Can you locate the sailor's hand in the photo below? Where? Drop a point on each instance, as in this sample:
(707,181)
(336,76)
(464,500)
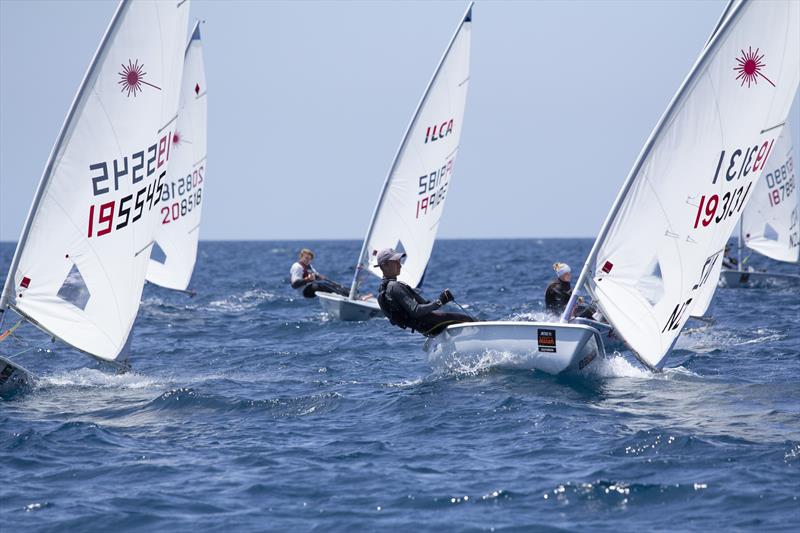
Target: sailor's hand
(446,296)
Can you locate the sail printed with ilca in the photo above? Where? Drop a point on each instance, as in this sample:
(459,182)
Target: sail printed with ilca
(770,224)
(175,251)
(80,264)
(659,252)
(412,200)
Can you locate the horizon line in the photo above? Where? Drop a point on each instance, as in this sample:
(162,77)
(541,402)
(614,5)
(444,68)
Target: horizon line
(342,239)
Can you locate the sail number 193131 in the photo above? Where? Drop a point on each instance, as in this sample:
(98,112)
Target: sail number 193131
(739,163)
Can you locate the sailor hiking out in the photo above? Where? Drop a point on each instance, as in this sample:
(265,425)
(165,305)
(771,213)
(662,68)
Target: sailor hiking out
(405,308)
(306,279)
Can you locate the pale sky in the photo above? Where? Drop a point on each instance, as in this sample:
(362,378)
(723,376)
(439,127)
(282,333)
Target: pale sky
(308,102)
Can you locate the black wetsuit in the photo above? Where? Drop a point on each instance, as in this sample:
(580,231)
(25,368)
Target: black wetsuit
(557,296)
(406,309)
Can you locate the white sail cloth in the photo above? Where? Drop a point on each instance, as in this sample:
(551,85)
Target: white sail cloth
(661,254)
(174,254)
(410,207)
(83,254)
(770,224)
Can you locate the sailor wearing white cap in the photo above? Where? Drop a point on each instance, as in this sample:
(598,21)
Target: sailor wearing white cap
(558,292)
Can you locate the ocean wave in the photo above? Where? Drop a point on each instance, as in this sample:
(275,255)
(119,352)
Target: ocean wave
(189,399)
(245,301)
(93,378)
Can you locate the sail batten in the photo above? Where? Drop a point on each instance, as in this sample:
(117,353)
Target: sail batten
(76,273)
(409,207)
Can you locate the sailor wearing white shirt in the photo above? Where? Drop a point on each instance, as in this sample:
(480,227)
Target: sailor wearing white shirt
(306,279)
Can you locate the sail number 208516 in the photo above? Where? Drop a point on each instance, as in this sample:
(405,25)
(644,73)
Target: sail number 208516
(187,193)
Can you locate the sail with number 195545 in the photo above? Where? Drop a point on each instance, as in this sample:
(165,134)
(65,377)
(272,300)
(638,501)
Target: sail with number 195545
(81,260)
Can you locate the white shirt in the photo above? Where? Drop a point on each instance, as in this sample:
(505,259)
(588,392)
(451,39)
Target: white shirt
(296,271)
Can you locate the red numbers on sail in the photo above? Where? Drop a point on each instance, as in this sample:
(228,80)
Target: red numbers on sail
(713,208)
(187,193)
(781,182)
(433,188)
(109,176)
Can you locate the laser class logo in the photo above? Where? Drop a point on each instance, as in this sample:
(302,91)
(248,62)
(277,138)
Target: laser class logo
(132,78)
(749,67)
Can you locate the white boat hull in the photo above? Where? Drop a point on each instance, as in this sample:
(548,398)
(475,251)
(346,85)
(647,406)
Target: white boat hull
(13,378)
(550,347)
(736,279)
(343,308)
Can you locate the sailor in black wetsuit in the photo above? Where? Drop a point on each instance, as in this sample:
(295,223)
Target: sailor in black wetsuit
(558,293)
(405,308)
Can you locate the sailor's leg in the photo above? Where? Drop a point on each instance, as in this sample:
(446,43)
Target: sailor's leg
(434,323)
(326,285)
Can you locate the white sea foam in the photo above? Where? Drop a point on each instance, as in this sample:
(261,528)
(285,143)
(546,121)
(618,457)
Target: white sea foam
(533,316)
(707,339)
(90,377)
(473,364)
(243,302)
(617,366)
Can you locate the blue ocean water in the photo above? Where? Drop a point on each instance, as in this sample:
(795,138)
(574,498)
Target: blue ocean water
(248,410)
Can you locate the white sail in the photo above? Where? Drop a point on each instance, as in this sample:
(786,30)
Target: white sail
(770,223)
(412,201)
(659,252)
(173,256)
(81,260)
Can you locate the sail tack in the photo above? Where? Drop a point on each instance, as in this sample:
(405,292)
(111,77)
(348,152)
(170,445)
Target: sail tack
(412,201)
(173,257)
(770,224)
(80,264)
(660,251)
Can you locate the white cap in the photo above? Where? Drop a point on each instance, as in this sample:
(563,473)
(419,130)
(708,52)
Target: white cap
(561,269)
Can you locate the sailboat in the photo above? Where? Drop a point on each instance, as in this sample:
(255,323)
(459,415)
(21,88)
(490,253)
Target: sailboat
(79,267)
(769,224)
(174,253)
(412,199)
(658,254)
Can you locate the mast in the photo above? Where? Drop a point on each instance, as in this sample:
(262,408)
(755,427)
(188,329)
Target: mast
(587,266)
(739,247)
(721,19)
(48,169)
(354,286)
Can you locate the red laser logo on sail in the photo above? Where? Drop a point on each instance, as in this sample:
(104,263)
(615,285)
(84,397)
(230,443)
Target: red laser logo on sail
(133,77)
(749,68)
